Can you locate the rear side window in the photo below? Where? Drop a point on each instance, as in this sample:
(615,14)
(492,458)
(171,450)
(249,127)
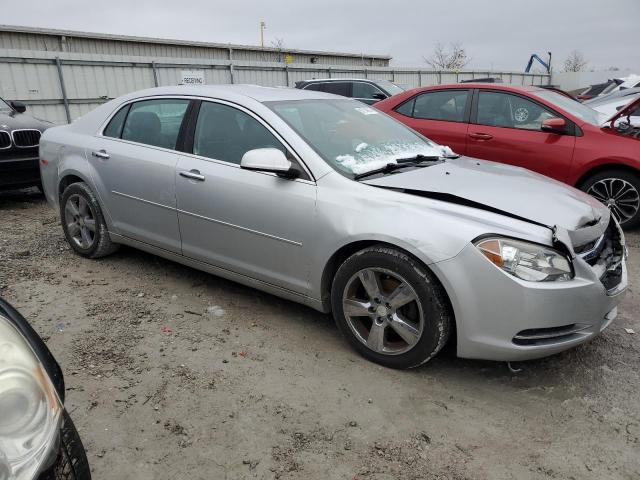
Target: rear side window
(338,88)
(114,129)
(446,105)
(155,122)
(226,133)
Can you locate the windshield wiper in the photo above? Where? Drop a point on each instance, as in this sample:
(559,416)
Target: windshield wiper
(414,161)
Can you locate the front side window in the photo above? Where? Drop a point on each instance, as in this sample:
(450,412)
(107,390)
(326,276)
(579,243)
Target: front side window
(155,122)
(446,105)
(351,137)
(337,88)
(226,133)
(364,90)
(390,87)
(499,109)
(579,110)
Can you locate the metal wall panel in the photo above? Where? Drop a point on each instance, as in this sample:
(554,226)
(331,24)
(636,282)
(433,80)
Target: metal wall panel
(32,76)
(173,75)
(25,38)
(29,81)
(267,78)
(300,75)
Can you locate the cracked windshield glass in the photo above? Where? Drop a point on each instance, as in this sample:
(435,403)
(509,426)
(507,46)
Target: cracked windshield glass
(354,138)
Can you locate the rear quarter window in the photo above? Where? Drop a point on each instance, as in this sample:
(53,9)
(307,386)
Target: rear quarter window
(406,108)
(114,128)
(316,87)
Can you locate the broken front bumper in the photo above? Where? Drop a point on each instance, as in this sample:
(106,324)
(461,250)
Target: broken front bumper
(500,317)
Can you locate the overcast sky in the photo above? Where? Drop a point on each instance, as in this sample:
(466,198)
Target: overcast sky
(496,33)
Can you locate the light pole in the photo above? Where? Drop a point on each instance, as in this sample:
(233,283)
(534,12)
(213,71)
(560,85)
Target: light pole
(263,26)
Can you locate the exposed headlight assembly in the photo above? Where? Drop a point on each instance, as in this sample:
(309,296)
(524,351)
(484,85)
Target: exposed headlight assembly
(525,260)
(30,409)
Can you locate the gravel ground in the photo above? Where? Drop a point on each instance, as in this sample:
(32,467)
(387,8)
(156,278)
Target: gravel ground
(173,373)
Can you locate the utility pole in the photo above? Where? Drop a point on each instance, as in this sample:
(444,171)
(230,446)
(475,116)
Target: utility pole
(263,26)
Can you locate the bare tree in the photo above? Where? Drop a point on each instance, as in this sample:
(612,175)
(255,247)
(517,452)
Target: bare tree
(278,44)
(575,62)
(454,58)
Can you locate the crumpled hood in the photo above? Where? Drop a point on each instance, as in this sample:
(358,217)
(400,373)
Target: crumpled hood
(513,190)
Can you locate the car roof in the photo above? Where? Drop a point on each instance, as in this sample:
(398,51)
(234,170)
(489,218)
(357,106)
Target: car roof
(230,92)
(370,80)
(485,86)
(613,96)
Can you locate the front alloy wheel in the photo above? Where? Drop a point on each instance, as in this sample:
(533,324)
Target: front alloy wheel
(383,311)
(390,307)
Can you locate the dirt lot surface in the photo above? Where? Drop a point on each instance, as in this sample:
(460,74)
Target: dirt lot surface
(173,373)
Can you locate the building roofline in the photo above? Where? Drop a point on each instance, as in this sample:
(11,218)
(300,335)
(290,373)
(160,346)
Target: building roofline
(164,41)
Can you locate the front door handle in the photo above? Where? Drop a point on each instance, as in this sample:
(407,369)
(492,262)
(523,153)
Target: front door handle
(192,175)
(481,136)
(101,154)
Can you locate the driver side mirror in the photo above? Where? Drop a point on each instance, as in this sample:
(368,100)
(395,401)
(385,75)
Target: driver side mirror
(18,106)
(554,125)
(269,160)
(378,96)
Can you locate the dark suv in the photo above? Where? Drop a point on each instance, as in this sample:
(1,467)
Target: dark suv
(19,139)
(367,91)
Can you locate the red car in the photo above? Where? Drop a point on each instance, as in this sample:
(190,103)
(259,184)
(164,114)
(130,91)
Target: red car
(535,128)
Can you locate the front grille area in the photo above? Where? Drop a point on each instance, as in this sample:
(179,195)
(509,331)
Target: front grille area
(606,256)
(547,336)
(26,138)
(5,139)
(9,154)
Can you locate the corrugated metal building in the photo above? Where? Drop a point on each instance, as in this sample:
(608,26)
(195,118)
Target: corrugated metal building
(50,40)
(61,75)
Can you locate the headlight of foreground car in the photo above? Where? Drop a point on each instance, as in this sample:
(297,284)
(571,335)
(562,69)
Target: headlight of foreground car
(527,261)
(30,408)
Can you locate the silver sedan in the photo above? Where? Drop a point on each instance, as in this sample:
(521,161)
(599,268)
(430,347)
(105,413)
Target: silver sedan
(333,204)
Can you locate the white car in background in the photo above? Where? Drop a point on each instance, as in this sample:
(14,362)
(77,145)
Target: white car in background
(631,81)
(608,105)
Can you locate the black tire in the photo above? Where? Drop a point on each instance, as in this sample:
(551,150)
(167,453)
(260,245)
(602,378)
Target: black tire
(437,315)
(101,244)
(590,186)
(71,463)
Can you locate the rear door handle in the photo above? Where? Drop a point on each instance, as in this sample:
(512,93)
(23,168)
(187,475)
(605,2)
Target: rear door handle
(101,154)
(481,136)
(192,175)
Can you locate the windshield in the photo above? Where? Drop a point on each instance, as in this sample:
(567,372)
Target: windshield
(4,107)
(352,137)
(577,109)
(390,87)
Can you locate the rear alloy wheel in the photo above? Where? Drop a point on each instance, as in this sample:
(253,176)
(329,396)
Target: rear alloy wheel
(620,191)
(390,307)
(83,223)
